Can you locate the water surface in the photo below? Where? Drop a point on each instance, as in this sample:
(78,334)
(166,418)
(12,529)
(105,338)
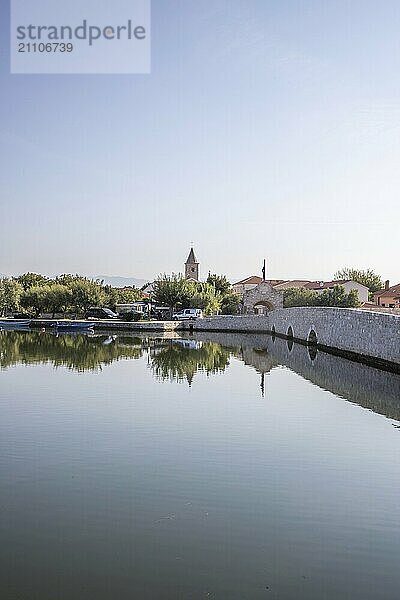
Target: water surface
(219,466)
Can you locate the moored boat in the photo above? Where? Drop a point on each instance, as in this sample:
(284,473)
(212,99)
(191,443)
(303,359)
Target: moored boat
(61,326)
(14,323)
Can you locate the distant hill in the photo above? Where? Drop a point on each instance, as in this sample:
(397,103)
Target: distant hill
(120,282)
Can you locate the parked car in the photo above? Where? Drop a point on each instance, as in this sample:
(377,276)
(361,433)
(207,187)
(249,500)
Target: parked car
(95,312)
(188,314)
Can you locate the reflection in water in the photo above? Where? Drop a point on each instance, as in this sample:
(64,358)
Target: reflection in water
(312,352)
(176,359)
(114,486)
(78,352)
(181,359)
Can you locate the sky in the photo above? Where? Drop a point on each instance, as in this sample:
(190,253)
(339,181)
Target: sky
(266,129)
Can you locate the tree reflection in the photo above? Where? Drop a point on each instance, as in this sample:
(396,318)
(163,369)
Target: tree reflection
(75,352)
(169,359)
(180,360)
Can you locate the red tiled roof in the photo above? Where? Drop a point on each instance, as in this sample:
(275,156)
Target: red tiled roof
(253,279)
(392,291)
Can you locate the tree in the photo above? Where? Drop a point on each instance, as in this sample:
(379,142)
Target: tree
(28,280)
(58,298)
(299,297)
(230,304)
(10,294)
(220,283)
(366,277)
(338,297)
(86,293)
(35,300)
(116,296)
(205,296)
(173,291)
(230,301)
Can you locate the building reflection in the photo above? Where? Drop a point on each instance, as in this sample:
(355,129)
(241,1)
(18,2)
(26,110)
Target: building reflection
(361,384)
(179,359)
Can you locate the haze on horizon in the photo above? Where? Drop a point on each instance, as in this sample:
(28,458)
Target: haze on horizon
(266,129)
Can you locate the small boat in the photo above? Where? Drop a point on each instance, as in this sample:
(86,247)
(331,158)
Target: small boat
(14,323)
(73,326)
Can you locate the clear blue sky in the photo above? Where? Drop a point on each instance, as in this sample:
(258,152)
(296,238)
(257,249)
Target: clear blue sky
(266,129)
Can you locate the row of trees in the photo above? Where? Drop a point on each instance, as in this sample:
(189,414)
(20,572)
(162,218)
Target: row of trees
(35,294)
(336,296)
(214,296)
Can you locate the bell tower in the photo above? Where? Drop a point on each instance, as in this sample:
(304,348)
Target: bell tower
(192,266)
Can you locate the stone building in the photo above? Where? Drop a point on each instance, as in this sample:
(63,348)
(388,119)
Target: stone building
(261,299)
(244,285)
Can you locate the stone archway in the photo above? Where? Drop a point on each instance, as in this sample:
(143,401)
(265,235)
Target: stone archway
(263,297)
(262,308)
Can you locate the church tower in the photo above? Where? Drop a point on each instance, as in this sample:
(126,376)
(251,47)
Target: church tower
(192,266)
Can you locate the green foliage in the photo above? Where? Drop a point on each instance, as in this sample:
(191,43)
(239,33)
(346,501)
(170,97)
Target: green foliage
(86,293)
(10,294)
(230,301)
(338,297)
(173,290)
(34,300)
(329,297)
(77,353)
(116,296)
(177,292)
(69,292)
(205,296)
(28,280)
(231,304)
(220,283)
(299,297)
(366,277)
(176,362)
(38,294)
(58,298)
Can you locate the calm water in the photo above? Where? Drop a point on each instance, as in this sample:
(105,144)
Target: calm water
(226,467)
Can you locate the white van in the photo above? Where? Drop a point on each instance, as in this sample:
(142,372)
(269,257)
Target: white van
(188,314)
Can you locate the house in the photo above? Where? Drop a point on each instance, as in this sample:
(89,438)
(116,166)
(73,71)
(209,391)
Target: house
(389,297)
(347,284)
(148,288)
(245,285)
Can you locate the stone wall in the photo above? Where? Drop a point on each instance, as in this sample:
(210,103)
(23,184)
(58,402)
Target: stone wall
(263,294)
(352,331)
(355,331)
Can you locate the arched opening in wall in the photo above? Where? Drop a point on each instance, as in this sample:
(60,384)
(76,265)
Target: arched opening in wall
(289,332)
(312,352)
(312,339)
(273,333)
(262,308)
(290,344)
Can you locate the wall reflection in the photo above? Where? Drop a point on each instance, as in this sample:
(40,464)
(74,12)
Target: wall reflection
(178,359)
